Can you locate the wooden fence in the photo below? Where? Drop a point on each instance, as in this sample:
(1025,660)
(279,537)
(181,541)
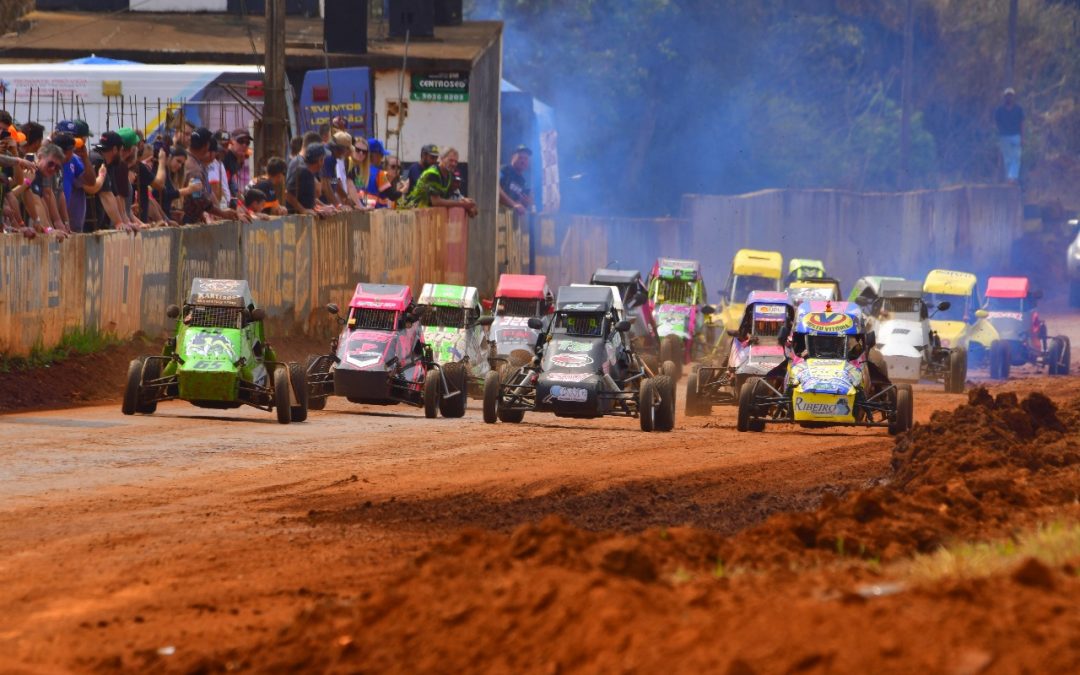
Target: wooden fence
(119,283)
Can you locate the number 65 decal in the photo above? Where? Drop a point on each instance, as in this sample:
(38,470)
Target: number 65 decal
(209,365)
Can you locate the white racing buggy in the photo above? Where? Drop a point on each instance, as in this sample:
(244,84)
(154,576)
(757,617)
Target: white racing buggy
(751,350)
(910,349)
(585,368)
(518,298)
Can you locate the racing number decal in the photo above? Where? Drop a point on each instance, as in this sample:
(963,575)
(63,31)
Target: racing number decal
(835,322)
(209,365)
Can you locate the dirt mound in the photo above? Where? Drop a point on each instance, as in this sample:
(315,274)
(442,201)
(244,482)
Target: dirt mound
(551,597)
(971,473)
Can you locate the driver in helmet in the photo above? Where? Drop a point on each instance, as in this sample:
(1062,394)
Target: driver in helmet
(583,325)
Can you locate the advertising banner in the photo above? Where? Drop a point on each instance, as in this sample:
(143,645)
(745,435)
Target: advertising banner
(440,88)
(344,92)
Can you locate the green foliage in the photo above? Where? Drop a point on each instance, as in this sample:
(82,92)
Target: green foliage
(73,343)
(1054,544)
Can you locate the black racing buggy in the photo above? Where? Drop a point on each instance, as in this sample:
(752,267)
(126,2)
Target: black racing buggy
(584,368)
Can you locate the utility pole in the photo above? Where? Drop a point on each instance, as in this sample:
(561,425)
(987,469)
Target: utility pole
(905,96)
(1010,53)
(274,137)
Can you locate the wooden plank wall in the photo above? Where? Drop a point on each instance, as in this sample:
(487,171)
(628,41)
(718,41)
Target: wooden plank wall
(905,234)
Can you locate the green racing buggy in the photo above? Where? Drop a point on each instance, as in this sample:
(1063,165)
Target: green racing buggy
(219,358)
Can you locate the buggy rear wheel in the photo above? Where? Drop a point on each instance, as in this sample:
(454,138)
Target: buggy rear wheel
(671,349)
(456,378)
(432,383)
(647,396)
(316,362)
(132,386)
(748,407)
(282,395)
(1057,357)
(298,380)
(664,419)
(669,368)
(956,380)
(905,410)
(492,388)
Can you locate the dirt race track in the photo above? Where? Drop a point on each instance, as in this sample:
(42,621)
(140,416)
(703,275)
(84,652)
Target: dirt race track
(373,540)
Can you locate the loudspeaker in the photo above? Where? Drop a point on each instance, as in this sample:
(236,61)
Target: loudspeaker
(448,12)
(345,26)
(415,16)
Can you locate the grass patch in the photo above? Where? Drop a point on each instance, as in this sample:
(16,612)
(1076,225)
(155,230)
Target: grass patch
(72,343)
(1053,544)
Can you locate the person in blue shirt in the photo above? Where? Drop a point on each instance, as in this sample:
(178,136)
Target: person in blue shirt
(376,152)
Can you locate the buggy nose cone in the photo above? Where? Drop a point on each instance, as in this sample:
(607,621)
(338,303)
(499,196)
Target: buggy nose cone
(903,368)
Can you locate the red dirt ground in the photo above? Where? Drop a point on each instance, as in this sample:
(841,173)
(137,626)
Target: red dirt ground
(779,597)
(372,540)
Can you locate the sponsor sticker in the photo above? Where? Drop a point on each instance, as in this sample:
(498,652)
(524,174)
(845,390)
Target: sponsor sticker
(570,394)
(573,346)
(572,360)
(770,309)
(829,322)
(583,307)
(1016,316)
(567,377)
(838,409)
(210,345)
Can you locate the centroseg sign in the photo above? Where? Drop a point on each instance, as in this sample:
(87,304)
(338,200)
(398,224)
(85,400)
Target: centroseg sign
(440,88)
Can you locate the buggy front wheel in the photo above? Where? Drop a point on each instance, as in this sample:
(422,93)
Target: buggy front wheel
(282,395)
(432,393)
(665,408)
(132,386)
(298,380)
(748,407)
(492,387)
(454,405)
(905,410)
(647,396)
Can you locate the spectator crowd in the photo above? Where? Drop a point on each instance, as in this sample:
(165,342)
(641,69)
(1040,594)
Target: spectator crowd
(67,181)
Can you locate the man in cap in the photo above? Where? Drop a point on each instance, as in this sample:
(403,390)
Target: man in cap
(219,180)
(108,147)
(122,170)
(78,172)
(302,186)
(1009,118)
(429,155)
(237,169)
(200,205)
(376,152)
(514,192)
